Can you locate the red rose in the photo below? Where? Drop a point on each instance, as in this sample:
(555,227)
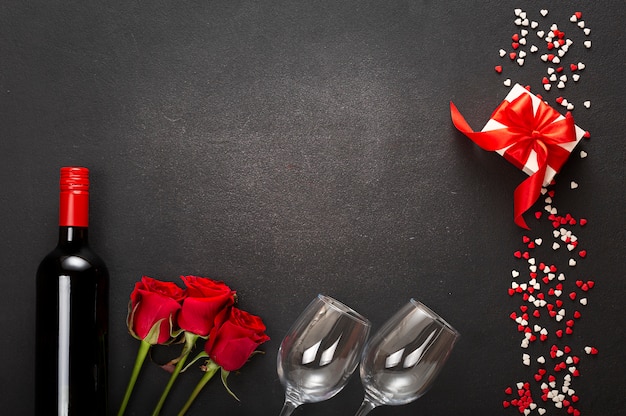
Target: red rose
(205,299)
(233,341)
(153,302)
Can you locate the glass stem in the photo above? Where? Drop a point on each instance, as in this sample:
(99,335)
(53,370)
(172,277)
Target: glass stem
(288,408)
(366,407)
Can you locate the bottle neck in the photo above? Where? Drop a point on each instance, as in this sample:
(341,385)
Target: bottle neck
(73,235)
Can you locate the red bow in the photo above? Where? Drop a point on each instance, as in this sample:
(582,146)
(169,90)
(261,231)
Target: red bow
(525,131)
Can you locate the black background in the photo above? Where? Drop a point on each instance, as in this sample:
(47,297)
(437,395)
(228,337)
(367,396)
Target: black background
(291,148)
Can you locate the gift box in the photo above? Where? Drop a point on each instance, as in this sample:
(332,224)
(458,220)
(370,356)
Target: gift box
(532,136)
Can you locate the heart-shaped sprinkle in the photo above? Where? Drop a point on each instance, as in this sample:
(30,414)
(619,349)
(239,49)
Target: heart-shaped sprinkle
(544,12)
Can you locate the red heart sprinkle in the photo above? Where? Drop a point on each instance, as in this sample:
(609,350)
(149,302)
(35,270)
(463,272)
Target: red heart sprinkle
(531,244)
(572,295)
(518,254)
(567,349)
(578,14)
(538,215)
(579,283)
(569,331)
(536,313)
(559,333)
(577,314)
(559,100)
(587,135)
(508,390)
(590,283)
(582,253)
(525,239)
(582,221)
(559,303)
(573,67)
(498,69)
(513,55)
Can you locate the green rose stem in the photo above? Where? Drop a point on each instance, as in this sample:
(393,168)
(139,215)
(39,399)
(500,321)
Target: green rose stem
(144,347)
(190,341)
(210,370)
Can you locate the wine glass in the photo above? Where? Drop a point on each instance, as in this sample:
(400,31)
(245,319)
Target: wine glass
(320,352)
(403,358)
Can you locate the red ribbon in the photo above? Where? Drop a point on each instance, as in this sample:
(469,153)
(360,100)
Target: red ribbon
(524,131)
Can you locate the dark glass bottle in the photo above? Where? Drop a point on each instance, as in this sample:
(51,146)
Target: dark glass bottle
(72,313)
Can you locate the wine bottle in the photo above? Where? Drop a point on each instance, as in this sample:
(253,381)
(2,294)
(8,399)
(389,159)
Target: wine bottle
(72,313)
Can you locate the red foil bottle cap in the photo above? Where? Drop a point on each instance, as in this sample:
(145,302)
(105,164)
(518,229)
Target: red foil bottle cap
(74,201)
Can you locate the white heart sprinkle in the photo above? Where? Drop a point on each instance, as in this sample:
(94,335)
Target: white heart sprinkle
(555,246)
(523,32)
(563,78)
(538,241)
(572,262)
(570,106)
(518,22)
(587,44)
(520,62)
(583,154)
(507,82)
(532,268)
(556,60)
(542,360)
(547,87)
(554,27)
(575,77)
(522,41)
(544,12)
(541,411)
(553,78)
(573,185)
(517,13)
(587,104)
(558,293)
(514,273)
(571,247)
(573,18)
(521,54)
(561,277)
(581,66)
(587,31)
(581,24)
(583,301)
(533,49)
(502,53)
(588,350)
(540,33)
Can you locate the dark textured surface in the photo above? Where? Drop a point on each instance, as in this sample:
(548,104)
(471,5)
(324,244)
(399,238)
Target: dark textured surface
(291,148)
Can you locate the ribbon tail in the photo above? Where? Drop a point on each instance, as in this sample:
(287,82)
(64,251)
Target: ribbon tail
(487,140)
(526,194)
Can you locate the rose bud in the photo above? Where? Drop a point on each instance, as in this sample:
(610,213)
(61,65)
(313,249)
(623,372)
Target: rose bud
(206,298)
